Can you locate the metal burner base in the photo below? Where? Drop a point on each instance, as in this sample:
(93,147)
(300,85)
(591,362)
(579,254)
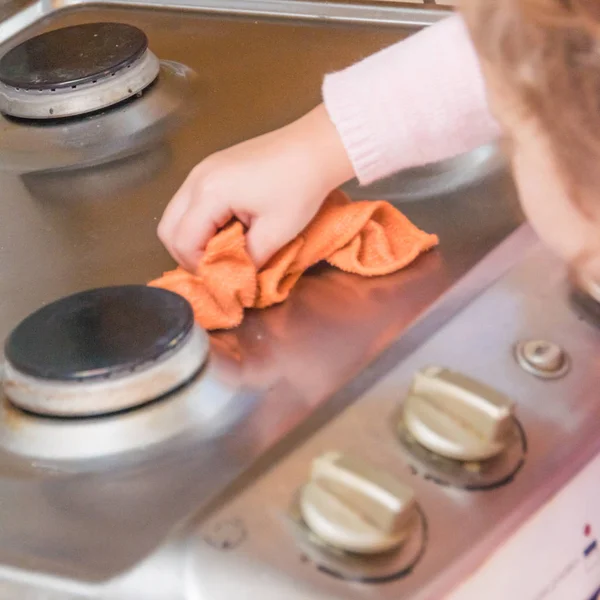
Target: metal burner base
(75,399)
(80,99)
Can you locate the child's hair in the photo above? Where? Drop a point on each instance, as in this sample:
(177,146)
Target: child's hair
(547,52)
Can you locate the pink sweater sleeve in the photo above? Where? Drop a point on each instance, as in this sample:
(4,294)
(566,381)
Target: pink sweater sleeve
(419,101)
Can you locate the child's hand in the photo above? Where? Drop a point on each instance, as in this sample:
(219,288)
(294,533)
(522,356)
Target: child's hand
(274,184)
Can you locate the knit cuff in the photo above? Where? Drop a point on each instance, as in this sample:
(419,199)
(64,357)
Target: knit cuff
(349,118)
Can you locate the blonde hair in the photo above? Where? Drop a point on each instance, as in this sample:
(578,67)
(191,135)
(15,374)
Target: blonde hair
(547,52)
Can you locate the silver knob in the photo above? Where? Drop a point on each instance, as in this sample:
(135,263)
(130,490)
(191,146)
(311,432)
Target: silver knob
(457,417)
(353,506)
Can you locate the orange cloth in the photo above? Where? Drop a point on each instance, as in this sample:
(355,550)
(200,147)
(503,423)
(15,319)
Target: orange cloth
(366,238)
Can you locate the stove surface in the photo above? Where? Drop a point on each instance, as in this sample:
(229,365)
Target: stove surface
(86,500)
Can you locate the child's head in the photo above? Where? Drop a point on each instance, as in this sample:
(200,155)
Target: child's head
(541,60)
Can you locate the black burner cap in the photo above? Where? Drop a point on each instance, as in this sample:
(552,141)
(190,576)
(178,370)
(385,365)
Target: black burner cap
(99,333)
(72,56)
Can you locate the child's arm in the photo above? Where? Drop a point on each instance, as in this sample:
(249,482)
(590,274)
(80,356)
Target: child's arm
(419,101)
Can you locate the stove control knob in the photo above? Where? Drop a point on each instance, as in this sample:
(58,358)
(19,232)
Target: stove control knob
(457,417)
(353,506)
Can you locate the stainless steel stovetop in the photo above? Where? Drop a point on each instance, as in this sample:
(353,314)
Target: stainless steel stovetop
(192,497)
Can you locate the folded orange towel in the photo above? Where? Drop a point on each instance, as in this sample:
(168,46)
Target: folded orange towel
(366,238)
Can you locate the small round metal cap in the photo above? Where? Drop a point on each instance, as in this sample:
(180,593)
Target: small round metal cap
(544,355)
(100,334)
(542,358)
(72,56)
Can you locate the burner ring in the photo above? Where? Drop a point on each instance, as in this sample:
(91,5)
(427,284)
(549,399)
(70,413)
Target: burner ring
(79,99)
(104,397)
(72,55)
(103,351)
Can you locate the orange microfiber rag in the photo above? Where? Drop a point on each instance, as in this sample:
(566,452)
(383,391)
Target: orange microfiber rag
(366,238)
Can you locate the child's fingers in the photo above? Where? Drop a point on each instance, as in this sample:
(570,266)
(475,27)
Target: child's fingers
(172,216)
(196,227)
(266,236)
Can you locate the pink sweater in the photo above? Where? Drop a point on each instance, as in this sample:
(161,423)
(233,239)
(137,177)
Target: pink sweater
(419,101)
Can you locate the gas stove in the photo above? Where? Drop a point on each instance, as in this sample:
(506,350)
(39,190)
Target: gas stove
(410,436)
